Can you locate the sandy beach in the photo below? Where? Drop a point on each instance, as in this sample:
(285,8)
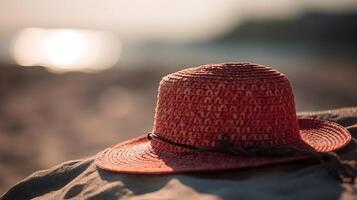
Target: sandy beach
(46,118)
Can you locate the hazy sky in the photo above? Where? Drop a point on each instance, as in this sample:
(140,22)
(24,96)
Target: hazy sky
(183,20)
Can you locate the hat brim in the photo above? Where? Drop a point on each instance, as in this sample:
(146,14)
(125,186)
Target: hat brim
(137,156)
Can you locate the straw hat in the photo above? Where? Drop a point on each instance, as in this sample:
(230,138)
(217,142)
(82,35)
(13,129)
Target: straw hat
(223,116)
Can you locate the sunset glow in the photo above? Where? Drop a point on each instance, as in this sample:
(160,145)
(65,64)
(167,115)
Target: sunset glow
(62,50)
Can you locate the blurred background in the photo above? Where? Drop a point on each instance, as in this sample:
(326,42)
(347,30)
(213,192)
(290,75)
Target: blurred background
(78,76)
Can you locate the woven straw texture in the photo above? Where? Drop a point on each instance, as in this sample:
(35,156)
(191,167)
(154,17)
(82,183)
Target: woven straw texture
(251,104)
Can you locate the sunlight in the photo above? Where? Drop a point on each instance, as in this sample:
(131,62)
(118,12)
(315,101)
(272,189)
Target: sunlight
(63,50)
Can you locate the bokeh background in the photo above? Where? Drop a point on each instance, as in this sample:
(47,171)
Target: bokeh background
(77,76)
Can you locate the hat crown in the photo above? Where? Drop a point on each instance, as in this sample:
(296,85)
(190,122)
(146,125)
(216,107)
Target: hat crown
(251,104)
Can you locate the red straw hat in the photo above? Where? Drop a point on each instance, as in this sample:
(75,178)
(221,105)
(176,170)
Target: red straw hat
(223,116)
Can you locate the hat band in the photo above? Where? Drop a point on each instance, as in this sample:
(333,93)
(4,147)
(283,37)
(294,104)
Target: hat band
(226,146)
(343,170)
